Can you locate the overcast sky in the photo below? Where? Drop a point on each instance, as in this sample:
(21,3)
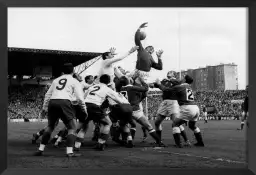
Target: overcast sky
(190,37)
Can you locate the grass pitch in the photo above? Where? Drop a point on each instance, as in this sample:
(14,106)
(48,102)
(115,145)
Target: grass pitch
(225,147)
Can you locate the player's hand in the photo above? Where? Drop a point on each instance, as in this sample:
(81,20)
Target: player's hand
(158,81)
(133,49)
(159,53)
(112,50)
(143,25)
(151,85)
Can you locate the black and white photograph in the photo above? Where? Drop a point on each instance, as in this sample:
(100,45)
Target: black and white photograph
(104,88)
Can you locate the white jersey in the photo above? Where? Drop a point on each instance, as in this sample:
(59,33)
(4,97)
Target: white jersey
(98,93)
(67,88)
(107,68)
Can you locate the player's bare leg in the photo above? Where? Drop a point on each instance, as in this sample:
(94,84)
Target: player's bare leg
(104,133)
(133,128)
(184,135)
(158,125)
(60,137)
(80,136)
(145,123)
(145,135)
(176,131)
(96,132)
(197,133)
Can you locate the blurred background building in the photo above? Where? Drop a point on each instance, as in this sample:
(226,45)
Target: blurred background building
(219,77)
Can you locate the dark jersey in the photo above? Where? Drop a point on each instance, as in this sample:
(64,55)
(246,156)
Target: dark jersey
(134,94)
(245,105)
(182,93)
(204,109)
(165,87)
(145,60)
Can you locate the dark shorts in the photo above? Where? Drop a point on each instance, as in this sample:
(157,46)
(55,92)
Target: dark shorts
(60,109)
(80,115)
(122,112)
(95,112)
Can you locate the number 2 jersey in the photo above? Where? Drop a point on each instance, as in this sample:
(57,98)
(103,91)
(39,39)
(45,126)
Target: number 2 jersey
(98,93)
(65,87)
(182,93)
(134,94)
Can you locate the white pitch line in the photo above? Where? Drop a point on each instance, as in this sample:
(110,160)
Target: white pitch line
(202,157)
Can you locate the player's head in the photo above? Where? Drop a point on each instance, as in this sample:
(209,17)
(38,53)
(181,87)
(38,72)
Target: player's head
(89,79)
(171,75)
(150,49)
(107,55)
(68,68)
(105,79)
(76,76)
(188,79)
(122,81)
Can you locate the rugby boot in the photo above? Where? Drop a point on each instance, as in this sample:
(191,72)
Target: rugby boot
(101,146)
(38,153)
(187,143)
(144,139)
(73,155)
(129,144)
(198,144)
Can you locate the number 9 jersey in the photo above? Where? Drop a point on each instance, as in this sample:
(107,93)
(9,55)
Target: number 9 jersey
(65,87)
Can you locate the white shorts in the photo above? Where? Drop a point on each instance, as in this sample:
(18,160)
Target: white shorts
(168,107)
(138,114)
(189,112)
(144,75)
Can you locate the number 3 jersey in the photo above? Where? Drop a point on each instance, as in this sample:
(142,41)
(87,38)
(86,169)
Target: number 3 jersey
(134,94)
(65,87)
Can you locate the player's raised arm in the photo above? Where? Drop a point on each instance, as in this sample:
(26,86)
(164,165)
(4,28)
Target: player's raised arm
(113,60)
(47,97)
(159,64)
(118,73)
(137,36)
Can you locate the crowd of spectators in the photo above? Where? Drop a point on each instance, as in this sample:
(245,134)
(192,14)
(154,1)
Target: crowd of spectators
(221,100)
(26,101)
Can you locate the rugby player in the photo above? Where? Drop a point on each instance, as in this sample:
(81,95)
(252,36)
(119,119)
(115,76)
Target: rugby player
(145,60)
(57,103)
(245,110)
(97,94)
(106,66)
(169,107)
(188,110)
(134,95)
(205,114)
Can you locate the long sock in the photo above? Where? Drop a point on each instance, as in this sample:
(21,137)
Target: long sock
(198,136)
(144,132)
(176,135)
(71,140)
(183,133)
(45,138)
(41,132)
(153,134)
(133,131)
